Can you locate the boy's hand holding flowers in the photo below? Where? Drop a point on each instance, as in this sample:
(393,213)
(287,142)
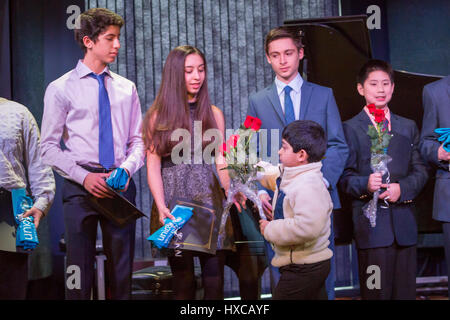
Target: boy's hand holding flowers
(392,193)
(240,166)
(374,183)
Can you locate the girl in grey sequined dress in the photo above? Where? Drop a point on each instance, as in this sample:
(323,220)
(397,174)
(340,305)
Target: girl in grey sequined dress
(181,102)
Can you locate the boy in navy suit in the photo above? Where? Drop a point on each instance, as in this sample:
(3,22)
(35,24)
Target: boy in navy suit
(391,244)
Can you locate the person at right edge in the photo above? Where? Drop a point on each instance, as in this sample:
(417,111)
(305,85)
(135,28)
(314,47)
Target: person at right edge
(386,252)
(436,104)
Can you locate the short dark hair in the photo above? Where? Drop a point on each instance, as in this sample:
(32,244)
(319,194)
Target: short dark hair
(307,135)
(283,32)
(374,65)
(95,21)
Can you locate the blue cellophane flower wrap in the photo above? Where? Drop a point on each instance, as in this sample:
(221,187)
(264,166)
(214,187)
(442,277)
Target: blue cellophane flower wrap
(162,237)
(444,137)
(118,179)
(26,235)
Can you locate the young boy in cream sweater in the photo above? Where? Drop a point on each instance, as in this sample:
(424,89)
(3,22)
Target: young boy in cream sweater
(302,206)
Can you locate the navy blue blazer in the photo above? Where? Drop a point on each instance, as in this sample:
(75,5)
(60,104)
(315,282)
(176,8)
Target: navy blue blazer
(436,103)
(317,104)
(407,168)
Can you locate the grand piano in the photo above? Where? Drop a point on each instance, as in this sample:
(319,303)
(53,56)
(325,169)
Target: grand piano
(335,50)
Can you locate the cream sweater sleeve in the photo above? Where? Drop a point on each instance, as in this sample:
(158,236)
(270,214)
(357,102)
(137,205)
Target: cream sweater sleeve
(268,177)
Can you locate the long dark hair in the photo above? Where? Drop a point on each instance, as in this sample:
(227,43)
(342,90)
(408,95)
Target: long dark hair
(170,110)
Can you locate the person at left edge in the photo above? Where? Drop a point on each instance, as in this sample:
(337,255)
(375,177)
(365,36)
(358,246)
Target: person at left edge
(97,114)
(20,167)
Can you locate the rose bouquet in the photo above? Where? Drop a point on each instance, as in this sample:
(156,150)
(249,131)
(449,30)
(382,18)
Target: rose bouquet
(379,138)
(242,165)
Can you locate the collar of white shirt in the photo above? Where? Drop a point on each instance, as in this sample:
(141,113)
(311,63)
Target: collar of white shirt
(83,70)
(295,84)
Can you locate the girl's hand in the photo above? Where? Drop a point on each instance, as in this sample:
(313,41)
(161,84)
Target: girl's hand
(164,213)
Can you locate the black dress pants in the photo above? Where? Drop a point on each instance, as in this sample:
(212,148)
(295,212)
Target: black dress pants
(446,234)
(397,267)
(81,221)
(13,265)
(13,275)
(303,281)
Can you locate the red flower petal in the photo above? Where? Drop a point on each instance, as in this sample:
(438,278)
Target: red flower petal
(371,108)
(256,125)
(379,115)
(224,149)
(233,140)
(248,122)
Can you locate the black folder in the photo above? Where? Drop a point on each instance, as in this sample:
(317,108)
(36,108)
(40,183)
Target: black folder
(201,231)
(118,209)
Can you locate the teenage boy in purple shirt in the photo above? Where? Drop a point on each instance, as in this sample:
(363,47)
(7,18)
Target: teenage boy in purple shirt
(97,114)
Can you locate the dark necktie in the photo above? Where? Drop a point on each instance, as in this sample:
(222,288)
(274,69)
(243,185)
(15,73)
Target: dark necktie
(289,114)
(278,214)
(105,141)
(385,126)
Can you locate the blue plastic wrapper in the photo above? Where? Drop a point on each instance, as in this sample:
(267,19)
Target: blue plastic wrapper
(118,179)
(162,237)
(444,137)
(26,235)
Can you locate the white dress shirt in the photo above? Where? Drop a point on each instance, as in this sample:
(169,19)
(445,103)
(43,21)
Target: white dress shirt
(296,93)
(71,114)
(296,96)
(20,160)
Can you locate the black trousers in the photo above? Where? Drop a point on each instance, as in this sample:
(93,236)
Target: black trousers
(184,274)
(397,273)
(80,221)
(446,233)
(13,265)
(303,281)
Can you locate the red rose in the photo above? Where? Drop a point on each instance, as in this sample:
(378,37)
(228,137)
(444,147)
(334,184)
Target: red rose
(379,115)
(252,123)
(371,108)
(248,122)
(224,149)
(256,124)
(233,140)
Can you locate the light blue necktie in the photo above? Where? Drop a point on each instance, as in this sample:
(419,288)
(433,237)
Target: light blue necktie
(289,114)
(105,141)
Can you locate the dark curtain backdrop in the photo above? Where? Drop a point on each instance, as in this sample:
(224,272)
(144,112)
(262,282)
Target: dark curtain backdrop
(230,33)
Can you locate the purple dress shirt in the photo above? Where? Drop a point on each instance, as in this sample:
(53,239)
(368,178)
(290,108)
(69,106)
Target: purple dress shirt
(71,114)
